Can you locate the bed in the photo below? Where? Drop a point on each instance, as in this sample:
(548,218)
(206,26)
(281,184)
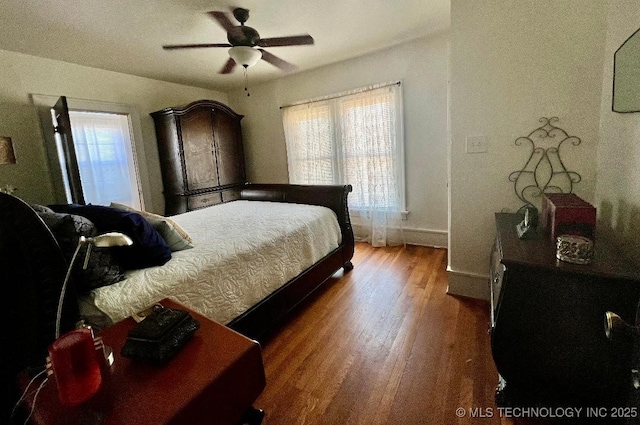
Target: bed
(34,268)
(244,252)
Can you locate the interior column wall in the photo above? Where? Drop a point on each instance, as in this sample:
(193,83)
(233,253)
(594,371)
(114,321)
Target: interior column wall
(511,64)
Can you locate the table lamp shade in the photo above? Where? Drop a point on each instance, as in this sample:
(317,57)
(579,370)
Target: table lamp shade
(7,155)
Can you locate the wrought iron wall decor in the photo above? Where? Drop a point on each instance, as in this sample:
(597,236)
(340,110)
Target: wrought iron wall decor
(544,171)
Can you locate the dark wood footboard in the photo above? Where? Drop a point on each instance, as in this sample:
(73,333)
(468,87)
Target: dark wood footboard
(262,317)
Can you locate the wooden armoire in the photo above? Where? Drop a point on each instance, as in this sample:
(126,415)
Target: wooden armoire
(201,155)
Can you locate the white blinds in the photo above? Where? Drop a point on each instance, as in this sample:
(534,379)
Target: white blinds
(353,139)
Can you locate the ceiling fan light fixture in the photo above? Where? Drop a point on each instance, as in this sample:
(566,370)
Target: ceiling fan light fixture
(244,55)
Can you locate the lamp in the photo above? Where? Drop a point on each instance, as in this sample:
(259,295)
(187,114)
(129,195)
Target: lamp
(245,56)
(105,240)
(7,155)
(72,356)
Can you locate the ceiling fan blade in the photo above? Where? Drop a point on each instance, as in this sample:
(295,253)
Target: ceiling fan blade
(228,67)
(194,46)
(223,19)
(277,62)
(294,40)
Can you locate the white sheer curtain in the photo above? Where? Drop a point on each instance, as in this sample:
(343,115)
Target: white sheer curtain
(310,163)
(354,138)
(105,158)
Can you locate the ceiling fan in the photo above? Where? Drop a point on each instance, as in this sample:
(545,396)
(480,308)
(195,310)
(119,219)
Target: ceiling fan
(245,43)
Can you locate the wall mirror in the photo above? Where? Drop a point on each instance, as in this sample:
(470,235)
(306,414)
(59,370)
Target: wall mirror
(626,75)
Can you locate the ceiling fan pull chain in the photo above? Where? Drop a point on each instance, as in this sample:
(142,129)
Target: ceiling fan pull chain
(246,81)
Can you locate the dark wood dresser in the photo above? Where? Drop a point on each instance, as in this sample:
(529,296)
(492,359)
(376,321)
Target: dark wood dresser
(547,322)
(201,155)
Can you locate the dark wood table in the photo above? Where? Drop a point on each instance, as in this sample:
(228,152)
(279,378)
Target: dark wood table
(214,378)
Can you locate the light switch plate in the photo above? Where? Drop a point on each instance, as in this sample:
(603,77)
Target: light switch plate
(476,144)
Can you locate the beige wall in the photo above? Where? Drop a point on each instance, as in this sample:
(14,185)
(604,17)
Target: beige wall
(22,75)
(618,187)
(513,62)
(507,64)
(422,66)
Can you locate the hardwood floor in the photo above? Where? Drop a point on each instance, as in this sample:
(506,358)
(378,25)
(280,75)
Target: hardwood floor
(383,344)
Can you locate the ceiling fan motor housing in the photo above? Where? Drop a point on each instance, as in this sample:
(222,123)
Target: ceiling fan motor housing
(241,15)
(243,36)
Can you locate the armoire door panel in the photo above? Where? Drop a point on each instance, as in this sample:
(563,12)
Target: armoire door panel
(230,153)
(198,146)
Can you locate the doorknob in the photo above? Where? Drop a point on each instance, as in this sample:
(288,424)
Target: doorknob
(615,326)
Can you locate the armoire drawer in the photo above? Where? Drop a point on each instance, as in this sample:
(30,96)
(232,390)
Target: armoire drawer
(203,200)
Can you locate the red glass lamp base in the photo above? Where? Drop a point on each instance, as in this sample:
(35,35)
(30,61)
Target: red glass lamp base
(75,366)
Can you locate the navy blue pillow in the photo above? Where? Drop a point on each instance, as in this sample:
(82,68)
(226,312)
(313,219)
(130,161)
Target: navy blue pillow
(148,249)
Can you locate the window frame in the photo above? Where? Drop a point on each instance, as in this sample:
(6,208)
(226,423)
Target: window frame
(123,124)
(334,115)
(44,103)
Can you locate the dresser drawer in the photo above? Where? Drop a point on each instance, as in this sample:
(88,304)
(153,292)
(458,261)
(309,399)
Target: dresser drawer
(203,200)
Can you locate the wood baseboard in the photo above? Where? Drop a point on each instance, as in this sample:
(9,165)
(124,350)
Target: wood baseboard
(468,284)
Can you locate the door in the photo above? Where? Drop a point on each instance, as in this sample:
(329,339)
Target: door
(66,150)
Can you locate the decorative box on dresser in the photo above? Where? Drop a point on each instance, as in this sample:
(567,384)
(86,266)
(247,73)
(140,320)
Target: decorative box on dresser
(547,322)
(201,155)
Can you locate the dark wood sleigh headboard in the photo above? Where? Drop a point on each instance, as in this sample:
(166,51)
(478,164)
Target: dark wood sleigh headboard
(333,197)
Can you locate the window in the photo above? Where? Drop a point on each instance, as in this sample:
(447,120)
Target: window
(105,157)
(310,144)
(354,138)
(108,150)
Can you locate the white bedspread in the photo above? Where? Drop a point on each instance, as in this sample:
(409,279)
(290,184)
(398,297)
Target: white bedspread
(243,251)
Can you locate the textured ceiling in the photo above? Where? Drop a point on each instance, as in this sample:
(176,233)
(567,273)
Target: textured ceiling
(127,35)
